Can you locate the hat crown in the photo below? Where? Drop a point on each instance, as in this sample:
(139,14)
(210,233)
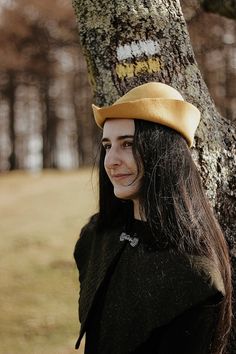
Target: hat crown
(150,90)
(155,102)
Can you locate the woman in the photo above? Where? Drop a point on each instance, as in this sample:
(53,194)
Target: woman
(153,263)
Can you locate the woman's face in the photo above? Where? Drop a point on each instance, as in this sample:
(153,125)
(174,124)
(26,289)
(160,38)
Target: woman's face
(119,162)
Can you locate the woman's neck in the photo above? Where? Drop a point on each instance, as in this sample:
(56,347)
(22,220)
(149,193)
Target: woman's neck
(137,214)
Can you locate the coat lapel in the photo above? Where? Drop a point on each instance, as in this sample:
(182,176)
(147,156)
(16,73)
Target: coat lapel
(95,254)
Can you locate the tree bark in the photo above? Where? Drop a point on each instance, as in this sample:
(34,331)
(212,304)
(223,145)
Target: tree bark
(127,43)
(83,113)
(225,8)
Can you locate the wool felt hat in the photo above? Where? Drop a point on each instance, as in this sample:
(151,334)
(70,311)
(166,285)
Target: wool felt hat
(155,102)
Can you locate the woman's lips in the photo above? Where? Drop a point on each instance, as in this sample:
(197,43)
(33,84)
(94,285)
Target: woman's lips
(120,176)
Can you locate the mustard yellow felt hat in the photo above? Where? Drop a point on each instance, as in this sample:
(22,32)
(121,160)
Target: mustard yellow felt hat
(155,102)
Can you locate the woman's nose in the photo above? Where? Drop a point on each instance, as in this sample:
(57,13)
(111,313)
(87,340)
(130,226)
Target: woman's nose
(112,158)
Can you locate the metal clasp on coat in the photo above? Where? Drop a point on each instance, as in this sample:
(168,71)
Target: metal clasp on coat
(132,240)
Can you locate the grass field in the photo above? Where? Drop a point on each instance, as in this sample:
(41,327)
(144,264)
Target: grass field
(41,216)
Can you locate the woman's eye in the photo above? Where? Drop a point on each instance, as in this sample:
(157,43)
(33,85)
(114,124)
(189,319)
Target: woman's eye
(128,144)
(107,146)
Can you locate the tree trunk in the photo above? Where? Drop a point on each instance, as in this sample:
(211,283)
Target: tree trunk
(127,43)
(49,126)
(83,113)
(11,91)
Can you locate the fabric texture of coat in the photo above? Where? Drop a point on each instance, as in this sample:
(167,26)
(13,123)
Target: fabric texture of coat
(147,289)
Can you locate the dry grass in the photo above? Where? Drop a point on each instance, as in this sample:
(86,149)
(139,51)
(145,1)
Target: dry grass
(41,216)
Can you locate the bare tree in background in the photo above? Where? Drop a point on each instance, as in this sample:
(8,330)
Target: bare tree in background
(127,43)
(215,51)
(12,64)
(222,7)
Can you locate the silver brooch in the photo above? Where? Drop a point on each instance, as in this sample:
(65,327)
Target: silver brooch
(132,240)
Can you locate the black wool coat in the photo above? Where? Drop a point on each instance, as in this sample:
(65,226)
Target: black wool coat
(134,297)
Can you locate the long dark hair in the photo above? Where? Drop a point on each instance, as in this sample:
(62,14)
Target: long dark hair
(174,204)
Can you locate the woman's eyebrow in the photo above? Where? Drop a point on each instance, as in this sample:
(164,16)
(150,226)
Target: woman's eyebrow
(120,137)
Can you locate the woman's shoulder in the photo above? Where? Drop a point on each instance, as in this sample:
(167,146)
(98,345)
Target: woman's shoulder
(88,229)
(92,235)
(94,225)
(91,224)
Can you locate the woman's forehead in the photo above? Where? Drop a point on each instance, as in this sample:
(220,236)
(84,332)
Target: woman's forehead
(117,127)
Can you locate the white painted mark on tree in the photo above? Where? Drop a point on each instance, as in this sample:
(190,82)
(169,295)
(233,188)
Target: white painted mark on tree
(136,49)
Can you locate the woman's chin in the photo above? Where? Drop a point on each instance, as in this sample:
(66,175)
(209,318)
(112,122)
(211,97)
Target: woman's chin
(122,196)
(127,195)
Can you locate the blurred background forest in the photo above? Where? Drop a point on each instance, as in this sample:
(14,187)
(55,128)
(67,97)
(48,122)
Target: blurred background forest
(45,97)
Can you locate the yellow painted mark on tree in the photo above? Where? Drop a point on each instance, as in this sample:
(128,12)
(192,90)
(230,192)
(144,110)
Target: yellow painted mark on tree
(129,70)
(125,70)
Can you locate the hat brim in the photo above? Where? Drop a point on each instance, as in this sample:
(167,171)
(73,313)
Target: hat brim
(176,114)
